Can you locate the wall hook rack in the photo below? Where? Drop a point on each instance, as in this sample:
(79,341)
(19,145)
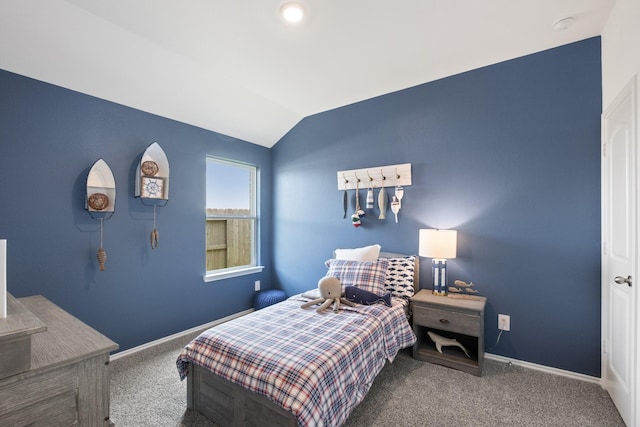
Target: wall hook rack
(348,179)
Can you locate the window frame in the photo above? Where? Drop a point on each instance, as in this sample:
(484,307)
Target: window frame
(254,215)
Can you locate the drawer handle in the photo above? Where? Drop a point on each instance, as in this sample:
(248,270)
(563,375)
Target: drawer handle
(444,321)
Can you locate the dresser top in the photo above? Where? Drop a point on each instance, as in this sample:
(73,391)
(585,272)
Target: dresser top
(67,339)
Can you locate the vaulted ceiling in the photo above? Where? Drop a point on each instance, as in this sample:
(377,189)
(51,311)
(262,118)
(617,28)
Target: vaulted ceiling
(236,68)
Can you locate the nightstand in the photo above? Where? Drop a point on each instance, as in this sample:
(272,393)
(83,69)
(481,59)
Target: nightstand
(452,318)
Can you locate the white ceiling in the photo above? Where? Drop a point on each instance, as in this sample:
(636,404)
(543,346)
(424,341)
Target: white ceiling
(236,68)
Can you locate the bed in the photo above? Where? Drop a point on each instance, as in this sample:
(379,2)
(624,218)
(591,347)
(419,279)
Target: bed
(288,366)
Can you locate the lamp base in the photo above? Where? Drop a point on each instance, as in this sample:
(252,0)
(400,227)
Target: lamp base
(439,267)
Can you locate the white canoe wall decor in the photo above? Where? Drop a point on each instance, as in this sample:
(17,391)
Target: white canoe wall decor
(100,200)
(152,176)
(152,184)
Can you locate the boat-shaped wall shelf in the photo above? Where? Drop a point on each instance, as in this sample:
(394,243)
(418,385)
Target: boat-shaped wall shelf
(152,177)
(376,177)
(100,200)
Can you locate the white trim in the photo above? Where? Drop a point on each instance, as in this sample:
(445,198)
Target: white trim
(547,369)
(134,350)
(227,274)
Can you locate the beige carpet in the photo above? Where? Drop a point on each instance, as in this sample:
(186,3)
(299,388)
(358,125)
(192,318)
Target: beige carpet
(146,391)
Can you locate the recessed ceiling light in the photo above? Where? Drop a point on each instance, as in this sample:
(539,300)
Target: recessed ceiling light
(563,23)
(292,12)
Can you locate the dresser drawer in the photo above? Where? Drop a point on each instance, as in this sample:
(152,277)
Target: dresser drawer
(59,410)
(23,391)
(461,323)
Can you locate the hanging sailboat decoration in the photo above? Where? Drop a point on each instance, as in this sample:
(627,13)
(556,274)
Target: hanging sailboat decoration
(100,200)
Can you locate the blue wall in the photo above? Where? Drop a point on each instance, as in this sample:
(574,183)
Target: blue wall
(49,138)
(509,155)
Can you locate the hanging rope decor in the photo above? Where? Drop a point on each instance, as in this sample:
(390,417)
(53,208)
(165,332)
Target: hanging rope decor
(102,254)
(154,233)
(355,218)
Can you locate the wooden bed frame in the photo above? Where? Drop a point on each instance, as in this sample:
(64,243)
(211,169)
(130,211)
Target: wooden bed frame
(228,404)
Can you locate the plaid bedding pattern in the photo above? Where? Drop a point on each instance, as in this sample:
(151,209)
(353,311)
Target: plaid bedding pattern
(318,366)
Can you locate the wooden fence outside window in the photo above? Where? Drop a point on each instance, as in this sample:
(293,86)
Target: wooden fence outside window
(229,241)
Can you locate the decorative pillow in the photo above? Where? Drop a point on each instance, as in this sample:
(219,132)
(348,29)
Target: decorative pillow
(367,275)
(366,253)
(399,279)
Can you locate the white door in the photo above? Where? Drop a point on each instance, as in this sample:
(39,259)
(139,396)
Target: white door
(619,267)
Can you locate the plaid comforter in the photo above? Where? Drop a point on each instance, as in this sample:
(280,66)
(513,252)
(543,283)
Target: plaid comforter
(318,366)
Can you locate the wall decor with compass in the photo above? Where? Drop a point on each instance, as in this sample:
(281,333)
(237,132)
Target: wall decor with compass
(152,183)
(152,187)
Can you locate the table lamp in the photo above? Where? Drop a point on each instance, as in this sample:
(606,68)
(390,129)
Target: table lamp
(439,245)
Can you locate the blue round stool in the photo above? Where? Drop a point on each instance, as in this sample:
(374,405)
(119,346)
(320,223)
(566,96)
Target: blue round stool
(269,297)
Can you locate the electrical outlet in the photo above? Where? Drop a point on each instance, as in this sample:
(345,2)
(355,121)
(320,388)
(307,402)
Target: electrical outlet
(257,285)
(504,322)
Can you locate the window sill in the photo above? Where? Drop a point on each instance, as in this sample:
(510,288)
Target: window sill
(212,277)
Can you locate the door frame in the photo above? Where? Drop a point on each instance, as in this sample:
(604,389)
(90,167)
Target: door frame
(630,89)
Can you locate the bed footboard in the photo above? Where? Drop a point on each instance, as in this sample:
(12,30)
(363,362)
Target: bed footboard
(228,404)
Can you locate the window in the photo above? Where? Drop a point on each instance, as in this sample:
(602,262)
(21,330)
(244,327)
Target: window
(231,219)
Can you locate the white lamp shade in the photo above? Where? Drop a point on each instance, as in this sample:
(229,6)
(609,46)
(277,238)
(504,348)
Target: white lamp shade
(439,244)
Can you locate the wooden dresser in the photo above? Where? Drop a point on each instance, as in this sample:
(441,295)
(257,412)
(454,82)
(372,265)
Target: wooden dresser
(67,379)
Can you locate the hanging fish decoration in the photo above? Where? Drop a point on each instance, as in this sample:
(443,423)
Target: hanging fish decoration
(382,203)
(102,257)
(154,238)
(102,254)
(154,233)
(345,202)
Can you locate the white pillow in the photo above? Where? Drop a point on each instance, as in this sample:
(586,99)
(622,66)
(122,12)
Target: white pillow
(312,294)
(366,253)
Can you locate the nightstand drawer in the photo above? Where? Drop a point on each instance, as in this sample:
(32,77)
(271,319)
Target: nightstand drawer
(446,320)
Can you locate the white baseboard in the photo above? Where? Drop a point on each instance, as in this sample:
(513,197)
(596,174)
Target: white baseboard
(134,350)
(543,368)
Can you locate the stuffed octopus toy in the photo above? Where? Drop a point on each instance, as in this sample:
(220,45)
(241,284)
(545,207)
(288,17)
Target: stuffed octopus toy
(330,293)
